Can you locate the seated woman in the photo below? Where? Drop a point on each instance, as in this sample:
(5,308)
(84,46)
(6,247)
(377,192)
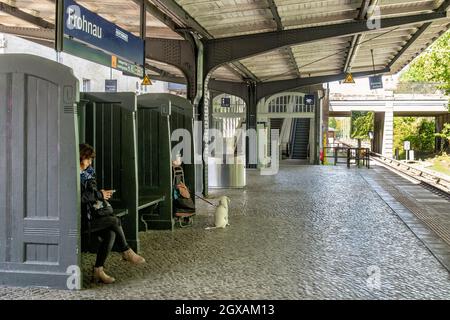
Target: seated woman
(98,218)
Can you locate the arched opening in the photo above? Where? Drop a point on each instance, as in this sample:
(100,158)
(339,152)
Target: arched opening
(293,116)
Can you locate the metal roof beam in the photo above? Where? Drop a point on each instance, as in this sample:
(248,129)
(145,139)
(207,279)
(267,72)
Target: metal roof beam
(244,72)
(34,33)
(159,71)
(223,50)
(293,61)
(357,39)
(238,89)
(164,75)
(410,42)
(175,79)
(193,26)
(42,42)
(442,8)
(364,9)
(22,15)
(277,18)
(158,14)
(184,17)
(266,89)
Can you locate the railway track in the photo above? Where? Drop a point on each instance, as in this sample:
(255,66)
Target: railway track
(437,184)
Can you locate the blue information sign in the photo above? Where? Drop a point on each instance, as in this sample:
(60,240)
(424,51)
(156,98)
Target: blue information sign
(225,102)
(111,85)
(310,99)
(89,28)
(376,82)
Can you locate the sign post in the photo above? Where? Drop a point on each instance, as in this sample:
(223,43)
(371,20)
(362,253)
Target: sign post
(407,147)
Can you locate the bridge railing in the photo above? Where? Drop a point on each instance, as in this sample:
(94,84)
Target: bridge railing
(422,88)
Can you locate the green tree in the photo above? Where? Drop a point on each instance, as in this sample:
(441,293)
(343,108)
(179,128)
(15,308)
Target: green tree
(433,65)
(362,123)
(419,131)
(404,129)
(424,140)
(444,135)
(332,123)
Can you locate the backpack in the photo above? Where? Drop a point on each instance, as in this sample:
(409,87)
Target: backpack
(181,194)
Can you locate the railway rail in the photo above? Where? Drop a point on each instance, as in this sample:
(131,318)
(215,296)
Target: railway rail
(429,180)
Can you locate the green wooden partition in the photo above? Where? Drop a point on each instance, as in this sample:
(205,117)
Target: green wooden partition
(107,122)
(182,117)
(154,165)
(159,115)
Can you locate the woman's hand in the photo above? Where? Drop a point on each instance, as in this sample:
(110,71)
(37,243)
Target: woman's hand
(107,194)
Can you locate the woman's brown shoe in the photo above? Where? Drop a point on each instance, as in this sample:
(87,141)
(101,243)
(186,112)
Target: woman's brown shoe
(132,257)
(99,275)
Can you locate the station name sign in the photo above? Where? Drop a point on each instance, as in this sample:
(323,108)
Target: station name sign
(88,28)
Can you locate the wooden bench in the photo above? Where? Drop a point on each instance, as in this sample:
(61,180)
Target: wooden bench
(120,212)
(148,201)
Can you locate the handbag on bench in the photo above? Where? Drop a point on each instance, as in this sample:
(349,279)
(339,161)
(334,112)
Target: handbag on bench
(182,197)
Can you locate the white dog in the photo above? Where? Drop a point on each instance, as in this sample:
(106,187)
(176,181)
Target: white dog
(221,214)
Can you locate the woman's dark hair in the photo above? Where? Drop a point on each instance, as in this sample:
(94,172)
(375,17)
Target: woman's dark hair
(86,152)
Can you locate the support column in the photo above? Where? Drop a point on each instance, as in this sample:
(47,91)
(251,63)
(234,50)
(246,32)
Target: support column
(251,122)
(317,128)
(388,132)
(440,122)
(378,132)
(325,117)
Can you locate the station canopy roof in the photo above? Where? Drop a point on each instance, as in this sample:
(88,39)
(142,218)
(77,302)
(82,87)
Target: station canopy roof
(392,48)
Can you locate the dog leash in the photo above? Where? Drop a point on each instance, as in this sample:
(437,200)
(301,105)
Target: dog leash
(206,201)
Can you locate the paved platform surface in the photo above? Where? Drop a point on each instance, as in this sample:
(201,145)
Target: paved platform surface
(308,233)
(423,210)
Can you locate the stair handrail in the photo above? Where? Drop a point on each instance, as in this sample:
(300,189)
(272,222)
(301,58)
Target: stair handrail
(238,137)
(292,136)
(282,131)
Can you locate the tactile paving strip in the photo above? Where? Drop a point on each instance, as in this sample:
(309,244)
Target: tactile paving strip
(438,224)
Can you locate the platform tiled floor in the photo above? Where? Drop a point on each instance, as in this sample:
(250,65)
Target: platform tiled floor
(426,213)
(308,233)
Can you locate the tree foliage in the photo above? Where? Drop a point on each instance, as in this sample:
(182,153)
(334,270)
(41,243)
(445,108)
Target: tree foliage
(332,123)
(419,131)
(362,123)
(444,135)
(433,65)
